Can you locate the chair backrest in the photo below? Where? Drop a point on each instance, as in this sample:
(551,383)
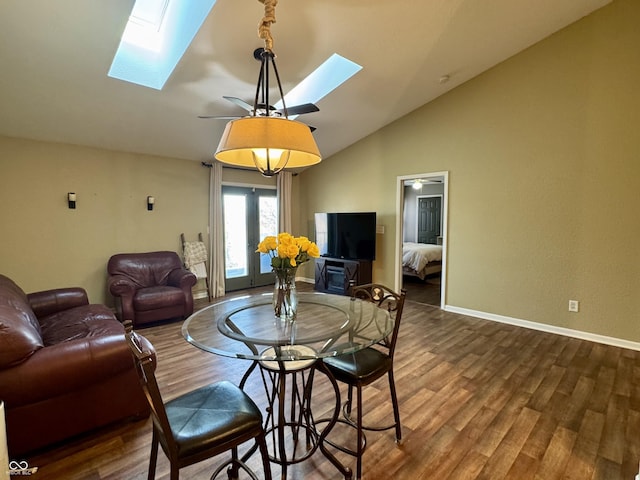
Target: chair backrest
(145,269)
(145,366)
(385,298)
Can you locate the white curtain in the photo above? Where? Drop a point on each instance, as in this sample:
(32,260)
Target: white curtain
(216,239)
(284,202)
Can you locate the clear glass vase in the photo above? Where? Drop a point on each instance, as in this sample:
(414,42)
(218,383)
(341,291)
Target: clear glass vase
(285,296)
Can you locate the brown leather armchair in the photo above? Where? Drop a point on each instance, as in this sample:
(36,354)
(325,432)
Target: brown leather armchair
(149,287)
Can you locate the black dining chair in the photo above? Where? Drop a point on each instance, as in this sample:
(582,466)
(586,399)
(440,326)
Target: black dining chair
(363,367)
(199,424)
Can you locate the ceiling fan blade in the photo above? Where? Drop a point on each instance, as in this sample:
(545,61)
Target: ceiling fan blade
(220,117)
(301,109)
(239,102)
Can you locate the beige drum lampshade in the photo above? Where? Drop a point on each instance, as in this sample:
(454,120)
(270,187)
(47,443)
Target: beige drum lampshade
(290,144)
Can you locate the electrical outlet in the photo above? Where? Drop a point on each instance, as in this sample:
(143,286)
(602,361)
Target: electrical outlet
(574,305)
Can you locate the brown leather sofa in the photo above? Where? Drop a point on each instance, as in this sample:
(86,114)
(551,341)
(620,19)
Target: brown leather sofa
(149,287)
(65,367)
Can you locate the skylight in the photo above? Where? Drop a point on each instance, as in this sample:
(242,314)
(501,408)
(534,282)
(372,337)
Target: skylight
(323,80)
(159,31)
(156,36)
(145,22)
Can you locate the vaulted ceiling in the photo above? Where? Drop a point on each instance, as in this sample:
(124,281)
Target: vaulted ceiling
(55,55)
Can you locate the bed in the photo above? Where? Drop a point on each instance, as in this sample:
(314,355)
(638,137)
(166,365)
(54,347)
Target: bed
(421,259)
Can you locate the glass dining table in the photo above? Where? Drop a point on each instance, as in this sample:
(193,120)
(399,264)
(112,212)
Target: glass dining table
(326,325)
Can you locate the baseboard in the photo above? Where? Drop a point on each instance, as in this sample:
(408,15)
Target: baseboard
(567,332)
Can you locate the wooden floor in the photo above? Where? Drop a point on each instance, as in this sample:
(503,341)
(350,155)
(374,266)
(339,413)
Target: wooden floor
(478,400)
(425,291)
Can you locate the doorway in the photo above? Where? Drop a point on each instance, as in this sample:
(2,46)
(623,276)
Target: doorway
(250,214)
(424,207)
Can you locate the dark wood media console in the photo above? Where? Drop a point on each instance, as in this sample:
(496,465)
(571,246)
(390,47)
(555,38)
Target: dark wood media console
(332,275)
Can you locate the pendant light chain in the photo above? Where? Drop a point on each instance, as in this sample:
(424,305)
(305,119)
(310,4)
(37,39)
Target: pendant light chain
(264,29)
(264,32)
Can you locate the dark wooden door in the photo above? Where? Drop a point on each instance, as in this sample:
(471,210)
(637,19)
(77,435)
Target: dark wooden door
(429,217)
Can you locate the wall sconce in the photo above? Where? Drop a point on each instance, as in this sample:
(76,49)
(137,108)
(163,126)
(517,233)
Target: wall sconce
(71,198)
(150,202)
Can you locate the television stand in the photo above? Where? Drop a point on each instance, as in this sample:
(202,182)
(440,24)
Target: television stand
(333,275)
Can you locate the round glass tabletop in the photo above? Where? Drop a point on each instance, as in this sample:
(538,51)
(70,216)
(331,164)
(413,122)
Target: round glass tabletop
(326,325)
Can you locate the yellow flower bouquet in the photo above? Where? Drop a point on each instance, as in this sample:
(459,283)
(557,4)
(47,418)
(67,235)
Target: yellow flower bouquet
(287,253)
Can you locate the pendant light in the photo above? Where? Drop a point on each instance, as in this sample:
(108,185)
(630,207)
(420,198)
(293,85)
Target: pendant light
(265,139)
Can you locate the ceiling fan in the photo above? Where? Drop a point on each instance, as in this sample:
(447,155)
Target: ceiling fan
(261,109)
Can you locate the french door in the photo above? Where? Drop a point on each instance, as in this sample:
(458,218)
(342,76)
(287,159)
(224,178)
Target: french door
(250,214)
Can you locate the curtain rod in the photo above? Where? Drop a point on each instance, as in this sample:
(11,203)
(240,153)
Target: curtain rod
(209,165)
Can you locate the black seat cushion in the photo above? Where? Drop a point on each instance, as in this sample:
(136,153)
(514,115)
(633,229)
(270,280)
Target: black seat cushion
(210,416)
(363,366)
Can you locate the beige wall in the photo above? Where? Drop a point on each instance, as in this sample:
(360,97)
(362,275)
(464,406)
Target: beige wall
(544,192)
(543,201)
(44,244)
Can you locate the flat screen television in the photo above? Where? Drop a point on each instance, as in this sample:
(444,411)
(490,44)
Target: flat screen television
(351,236)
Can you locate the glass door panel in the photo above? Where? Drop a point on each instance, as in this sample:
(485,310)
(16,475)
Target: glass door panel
(250,214)
(268,220)
(235,239)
